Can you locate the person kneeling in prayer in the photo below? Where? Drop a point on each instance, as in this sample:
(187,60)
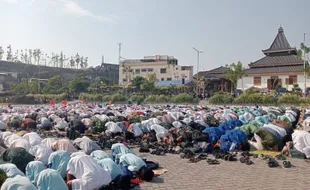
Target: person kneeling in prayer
(119,180)
(85,173)
(134,166)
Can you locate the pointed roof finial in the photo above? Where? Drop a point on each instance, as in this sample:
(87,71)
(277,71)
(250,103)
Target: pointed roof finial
(280,29)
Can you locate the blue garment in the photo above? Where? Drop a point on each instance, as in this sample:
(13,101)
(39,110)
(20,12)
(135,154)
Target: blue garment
(99,155)
(33,169)
(133,162)
(229,125)
(50,179)
(232,140)
(127,172)
(58,161)
(119,149)
(109,165)
(11,170)
(214,134)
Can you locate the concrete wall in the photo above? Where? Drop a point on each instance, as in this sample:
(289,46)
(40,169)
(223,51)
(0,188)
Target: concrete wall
(43,72)
(247,82)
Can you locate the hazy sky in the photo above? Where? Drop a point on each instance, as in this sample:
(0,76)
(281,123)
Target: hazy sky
(225,30)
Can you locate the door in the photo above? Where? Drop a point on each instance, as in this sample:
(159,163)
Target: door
(269,84)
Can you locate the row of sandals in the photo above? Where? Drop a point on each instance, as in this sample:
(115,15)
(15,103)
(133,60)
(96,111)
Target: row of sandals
(245,159)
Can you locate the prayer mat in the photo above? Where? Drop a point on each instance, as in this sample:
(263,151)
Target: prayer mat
(266,152)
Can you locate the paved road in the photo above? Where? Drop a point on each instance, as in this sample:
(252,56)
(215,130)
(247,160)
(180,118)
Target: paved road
(227,175)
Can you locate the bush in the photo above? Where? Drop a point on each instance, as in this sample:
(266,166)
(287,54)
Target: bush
(162,99)
(157,99)
(183,98)
(57,97)
(269,100)
(221,99)
(92,97)
(289,99)
(118,98)
(249,98)
(106,98)
(151,99)
(137,98)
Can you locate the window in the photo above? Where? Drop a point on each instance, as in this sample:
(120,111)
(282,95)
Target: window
(291,80)
(137,71)
(143,70)
(124,80)
(162,79)
(163,70)
(130,70)
(150,70)
(257,81)
(169,79)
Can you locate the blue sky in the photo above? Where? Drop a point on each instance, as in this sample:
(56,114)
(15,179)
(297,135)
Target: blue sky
(225,30)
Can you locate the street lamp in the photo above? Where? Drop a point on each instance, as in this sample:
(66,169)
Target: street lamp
(198,53)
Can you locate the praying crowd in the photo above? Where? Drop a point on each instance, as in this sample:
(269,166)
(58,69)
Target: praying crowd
(90,146)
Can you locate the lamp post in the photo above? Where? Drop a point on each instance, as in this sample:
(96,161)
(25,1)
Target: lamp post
(305,76)
(198,53)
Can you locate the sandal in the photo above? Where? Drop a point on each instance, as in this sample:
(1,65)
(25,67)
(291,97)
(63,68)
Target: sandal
(281,157)
(242,160)
(272,163)
(193,160)
(249,162)
(287,164)
(212,161)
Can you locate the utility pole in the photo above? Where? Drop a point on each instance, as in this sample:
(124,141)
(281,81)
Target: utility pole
(197,77)
(305,66)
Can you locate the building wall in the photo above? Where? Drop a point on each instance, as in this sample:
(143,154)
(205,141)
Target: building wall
(245,83)
(129,70)
(248,82)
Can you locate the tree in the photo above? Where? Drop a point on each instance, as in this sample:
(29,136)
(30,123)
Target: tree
(61,59)
(137,82)
(82,63)
(72,62)
(55,85)
(39,53)
(86,62)
(1,53)
(16,56)
(21,88)
(26,56)
(77,60)
(304,50)
(152,77)
(79,84)
(31,54)
(234,72)
(9,55)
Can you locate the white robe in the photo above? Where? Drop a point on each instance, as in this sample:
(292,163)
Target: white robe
(88,173)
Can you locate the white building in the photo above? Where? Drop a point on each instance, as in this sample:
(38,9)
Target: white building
(166,68)
(280,66)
